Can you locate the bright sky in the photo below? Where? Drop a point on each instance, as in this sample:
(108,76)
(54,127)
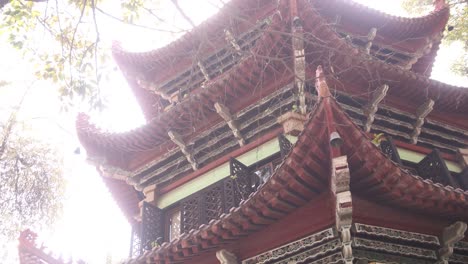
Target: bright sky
(92,226)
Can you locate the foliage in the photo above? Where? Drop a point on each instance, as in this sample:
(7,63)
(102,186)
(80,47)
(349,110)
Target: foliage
(32,184)
(32,189)
(63,40)
(457,29)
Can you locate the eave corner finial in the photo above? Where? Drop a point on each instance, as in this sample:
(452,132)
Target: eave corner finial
(321,84)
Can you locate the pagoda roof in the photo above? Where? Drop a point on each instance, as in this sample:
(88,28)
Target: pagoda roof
(160,65)
(408,90)
(305,175)
(31,253)
(448,99)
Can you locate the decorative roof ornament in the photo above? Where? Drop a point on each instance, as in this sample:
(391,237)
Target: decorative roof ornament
(321,84)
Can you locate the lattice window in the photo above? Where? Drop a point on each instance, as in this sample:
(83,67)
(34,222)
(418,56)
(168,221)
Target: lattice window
(191,213)
(230,199)
(213,202)
(174,221)
(285,145)
(433,167)
(151,226)
(242,178)
(389,149)
(135,241)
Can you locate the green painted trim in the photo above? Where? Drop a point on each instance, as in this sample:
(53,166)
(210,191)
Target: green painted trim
(416,157)
(257,154)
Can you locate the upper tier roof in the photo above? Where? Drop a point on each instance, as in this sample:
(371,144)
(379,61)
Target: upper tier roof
(158,67)
(158,63)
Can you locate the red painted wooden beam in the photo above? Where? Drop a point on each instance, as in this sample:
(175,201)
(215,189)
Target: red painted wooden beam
(222,160)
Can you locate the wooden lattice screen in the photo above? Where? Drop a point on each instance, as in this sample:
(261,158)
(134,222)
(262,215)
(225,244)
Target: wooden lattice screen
(201,207)
(152,229)
(285,145)
(388,148)
(135,240)
(433,167)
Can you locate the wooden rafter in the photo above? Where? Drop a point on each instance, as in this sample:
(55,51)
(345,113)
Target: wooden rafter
(421,114)
(177,139)
(224,112)
(371,108)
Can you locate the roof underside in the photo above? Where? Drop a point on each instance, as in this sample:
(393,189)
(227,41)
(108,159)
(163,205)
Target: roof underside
(244,19)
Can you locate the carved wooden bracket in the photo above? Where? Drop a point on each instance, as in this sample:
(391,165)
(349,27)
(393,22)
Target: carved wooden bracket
(224,112)
(344,206)
(299,62)
(451,235)
(226,257)
(321,83)
(177,139)
(421,114)
(371,108)
(230,38)
(370,37)
(293,123)
(145,84)
(109,171)
(204,71)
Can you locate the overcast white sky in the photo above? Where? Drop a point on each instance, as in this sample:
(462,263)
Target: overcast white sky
(92,226)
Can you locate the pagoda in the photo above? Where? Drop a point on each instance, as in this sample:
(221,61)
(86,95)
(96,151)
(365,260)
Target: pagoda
(292,131)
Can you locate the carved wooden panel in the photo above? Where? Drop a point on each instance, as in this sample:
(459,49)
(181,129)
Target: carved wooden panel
(242,178)
(191,213)
(285,145)
(135,241)
(230,199)
(433,167)
(389,149)
(152,229)
(213,202)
